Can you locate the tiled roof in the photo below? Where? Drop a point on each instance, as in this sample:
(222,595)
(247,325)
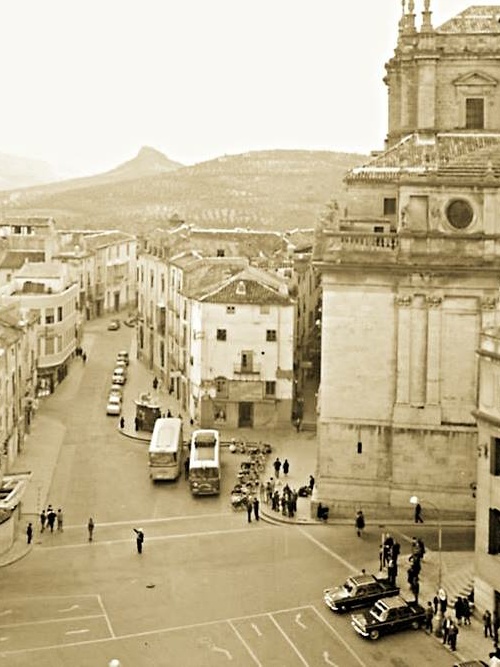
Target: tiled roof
(476,19)
(40,270)
(14,259)
(419,154)
(104,239)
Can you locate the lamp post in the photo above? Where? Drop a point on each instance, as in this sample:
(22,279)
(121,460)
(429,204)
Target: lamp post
(414,500)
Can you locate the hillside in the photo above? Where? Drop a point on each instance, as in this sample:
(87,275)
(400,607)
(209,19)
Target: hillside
(264,189)
(19,172)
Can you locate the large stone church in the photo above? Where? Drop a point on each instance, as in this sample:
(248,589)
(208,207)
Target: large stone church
(411,274)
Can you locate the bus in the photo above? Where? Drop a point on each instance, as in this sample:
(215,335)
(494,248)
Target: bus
(204,462)
(165,449)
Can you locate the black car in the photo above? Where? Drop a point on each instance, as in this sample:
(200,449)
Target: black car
(388,615)
(361,590)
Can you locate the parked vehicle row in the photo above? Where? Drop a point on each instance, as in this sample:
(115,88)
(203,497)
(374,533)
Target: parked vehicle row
(115,395)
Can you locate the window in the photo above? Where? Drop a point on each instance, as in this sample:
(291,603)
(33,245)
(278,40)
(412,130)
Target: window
(271,388)
(230,310)
(59,313)
(151,278)
(271,335)
(474,113)
(495,456)
(494,532)
(49,316)
(221,334)
(459,213)
(162,284)
(241,288)
(389,205)
(221,252)
(221,387)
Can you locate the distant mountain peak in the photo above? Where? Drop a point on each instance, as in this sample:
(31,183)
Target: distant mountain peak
(147,161)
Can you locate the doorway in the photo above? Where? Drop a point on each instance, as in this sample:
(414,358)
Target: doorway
(245,414)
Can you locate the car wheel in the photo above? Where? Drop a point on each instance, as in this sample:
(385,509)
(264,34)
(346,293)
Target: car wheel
(374,634)
(415,625)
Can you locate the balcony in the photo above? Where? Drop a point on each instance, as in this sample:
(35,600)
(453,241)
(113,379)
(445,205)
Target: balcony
(245,369)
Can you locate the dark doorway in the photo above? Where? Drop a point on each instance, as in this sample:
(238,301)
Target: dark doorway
(245,415)
(117,301)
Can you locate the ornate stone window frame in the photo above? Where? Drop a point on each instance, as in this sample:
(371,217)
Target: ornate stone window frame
(446,211)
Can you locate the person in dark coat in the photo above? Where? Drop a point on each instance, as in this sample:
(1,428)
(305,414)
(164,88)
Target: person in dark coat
(286,467)
(256,508)
(51,519)
(311,483)
(29,533)
(360,523)
(186,468)
(249,510)
(139,539)
(43,519)
(277,467)
(122,423)
(418,513)
(452,636)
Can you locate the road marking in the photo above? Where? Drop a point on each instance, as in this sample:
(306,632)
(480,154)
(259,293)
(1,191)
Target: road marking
(326,658)
(50,620)
(3,639)
(257,631)
(6,612)
(75,606)
(331,553)
(167,519)
(299,622)
(292,645)
(245,644)
(221,650)
(158,538)
(108,622)
(76,632)
(339,637)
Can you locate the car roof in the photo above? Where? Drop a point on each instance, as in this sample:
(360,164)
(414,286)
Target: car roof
(122,352)
(361,579)
(393,603)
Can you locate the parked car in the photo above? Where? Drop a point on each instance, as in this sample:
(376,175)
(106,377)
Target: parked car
(471,663)
(361,590)
(120,363)
(114,405)
(116,390)
(123,355)
(114,325)
(120,375)
(388,615)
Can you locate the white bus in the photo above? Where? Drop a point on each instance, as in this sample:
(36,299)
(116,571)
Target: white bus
(204,462)
(165,449)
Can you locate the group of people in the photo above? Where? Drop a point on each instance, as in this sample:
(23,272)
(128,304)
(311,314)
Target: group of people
(49,519)
(277,465)
(284,501)
(388,556)
(81,353)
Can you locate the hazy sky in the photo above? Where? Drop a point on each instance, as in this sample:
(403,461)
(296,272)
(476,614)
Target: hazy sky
(86,83)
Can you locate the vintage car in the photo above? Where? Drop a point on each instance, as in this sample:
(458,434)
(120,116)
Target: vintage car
(123,355)
(361,590)
(388,615)
(119,375)
(114,325)
(114,405)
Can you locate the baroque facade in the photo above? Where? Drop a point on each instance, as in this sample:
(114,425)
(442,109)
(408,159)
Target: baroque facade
(410,277)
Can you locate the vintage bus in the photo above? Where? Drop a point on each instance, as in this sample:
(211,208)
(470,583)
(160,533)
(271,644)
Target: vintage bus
(165,449)
(204,462)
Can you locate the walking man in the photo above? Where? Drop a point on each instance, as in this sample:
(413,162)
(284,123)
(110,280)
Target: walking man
(249,510)
(186,468)
(488,632)
(418,513)
(256,508)
(311,483)
(277,467)
(286,467)
(360,523)
(90,527)
(43,519)
(29,533)
(122,423)
(51,518)
(139,539)
(60,520)
(155,383)
(429,615)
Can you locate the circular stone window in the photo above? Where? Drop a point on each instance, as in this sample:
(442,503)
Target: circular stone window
(459,213)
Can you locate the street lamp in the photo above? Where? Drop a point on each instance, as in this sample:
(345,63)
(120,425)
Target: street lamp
(414,500)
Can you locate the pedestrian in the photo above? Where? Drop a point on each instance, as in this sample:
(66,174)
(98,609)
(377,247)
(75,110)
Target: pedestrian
(51,519)
(488,632)
(435,602)
(360,523)
(286,467)
(466,611)
(256,508)
(392,571)
(396,550)
(186,468)
(60,520)
(494,626)
(136,423)
(452,635)
(169,414)
(381,561)
(415,588)
(429,615)
(277,467)
(122,423)
(276,501)
(139,539)
(458,607)
(421,548)
(249,510)
(418,513)
(90,528)
(311,483)
(388,545)
(443,600)
(29,533)
(84,357)
(155,383)
(446,628)
(298,423)
(43,519)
